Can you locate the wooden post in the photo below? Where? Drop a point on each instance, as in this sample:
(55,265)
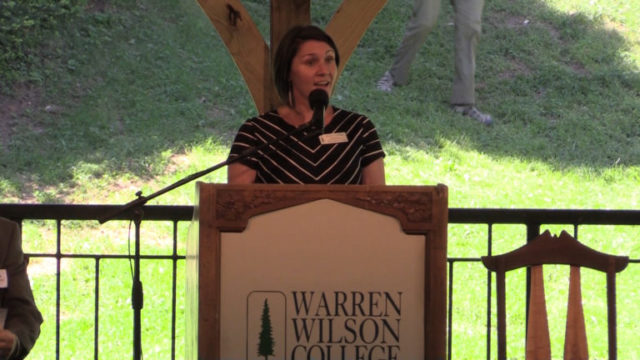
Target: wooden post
(286,14)
(253,56)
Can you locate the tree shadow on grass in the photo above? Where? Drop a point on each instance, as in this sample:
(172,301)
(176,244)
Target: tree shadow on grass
(123,89)
(129,87)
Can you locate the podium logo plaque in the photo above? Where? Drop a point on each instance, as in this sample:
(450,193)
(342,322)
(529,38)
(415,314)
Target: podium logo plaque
(343,283)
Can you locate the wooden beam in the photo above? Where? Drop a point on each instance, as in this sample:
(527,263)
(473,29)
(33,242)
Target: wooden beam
(349,23)
(253,56)
(246,46)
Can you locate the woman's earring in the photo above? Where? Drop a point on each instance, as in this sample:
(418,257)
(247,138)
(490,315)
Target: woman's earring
(291,104)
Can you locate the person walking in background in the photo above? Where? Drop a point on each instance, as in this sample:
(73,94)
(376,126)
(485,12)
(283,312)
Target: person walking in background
(468,21)
(20,319)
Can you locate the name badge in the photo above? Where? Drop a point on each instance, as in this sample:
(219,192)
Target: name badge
(4,279)
(333,138)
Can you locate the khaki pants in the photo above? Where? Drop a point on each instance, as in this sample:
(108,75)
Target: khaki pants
(468,21)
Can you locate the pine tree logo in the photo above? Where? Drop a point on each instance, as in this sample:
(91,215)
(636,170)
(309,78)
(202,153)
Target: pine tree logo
(266,344)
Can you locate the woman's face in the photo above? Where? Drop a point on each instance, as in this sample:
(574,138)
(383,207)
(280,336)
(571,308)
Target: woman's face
(313,67)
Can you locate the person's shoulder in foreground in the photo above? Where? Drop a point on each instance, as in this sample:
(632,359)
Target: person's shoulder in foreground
(21,323)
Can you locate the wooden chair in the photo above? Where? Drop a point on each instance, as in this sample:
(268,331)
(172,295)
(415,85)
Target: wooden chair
(548,249)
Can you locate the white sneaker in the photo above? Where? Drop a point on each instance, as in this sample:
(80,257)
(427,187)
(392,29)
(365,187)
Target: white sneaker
(385,83)
(473,112)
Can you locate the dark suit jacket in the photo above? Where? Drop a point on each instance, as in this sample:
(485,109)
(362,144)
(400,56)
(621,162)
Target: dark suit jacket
(23,318)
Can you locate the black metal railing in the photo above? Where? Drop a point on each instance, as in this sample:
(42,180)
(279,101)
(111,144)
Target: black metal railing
(486,219)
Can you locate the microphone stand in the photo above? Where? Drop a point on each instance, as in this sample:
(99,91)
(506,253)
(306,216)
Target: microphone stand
(136,207)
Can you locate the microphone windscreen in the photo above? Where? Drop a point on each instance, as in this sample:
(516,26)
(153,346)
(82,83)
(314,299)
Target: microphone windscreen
(318,98)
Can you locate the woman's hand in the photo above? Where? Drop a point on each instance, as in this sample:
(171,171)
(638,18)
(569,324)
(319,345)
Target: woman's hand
(240,174)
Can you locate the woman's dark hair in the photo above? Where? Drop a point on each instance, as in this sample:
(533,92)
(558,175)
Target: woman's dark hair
(288,49)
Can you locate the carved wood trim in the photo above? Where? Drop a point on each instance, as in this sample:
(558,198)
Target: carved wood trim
(412,206)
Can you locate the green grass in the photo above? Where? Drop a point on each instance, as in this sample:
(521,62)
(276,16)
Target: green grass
(140,90)
(145,93)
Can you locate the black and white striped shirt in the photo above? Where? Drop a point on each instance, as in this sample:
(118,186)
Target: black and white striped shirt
(302,159)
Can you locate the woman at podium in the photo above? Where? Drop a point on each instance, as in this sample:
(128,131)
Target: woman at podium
(306,140)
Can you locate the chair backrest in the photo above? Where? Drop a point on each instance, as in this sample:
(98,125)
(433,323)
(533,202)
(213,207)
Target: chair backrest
(562,250)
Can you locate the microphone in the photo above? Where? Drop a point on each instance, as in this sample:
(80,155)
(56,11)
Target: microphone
(318,100)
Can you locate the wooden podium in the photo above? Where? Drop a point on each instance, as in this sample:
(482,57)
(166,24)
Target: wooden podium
(317,272)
